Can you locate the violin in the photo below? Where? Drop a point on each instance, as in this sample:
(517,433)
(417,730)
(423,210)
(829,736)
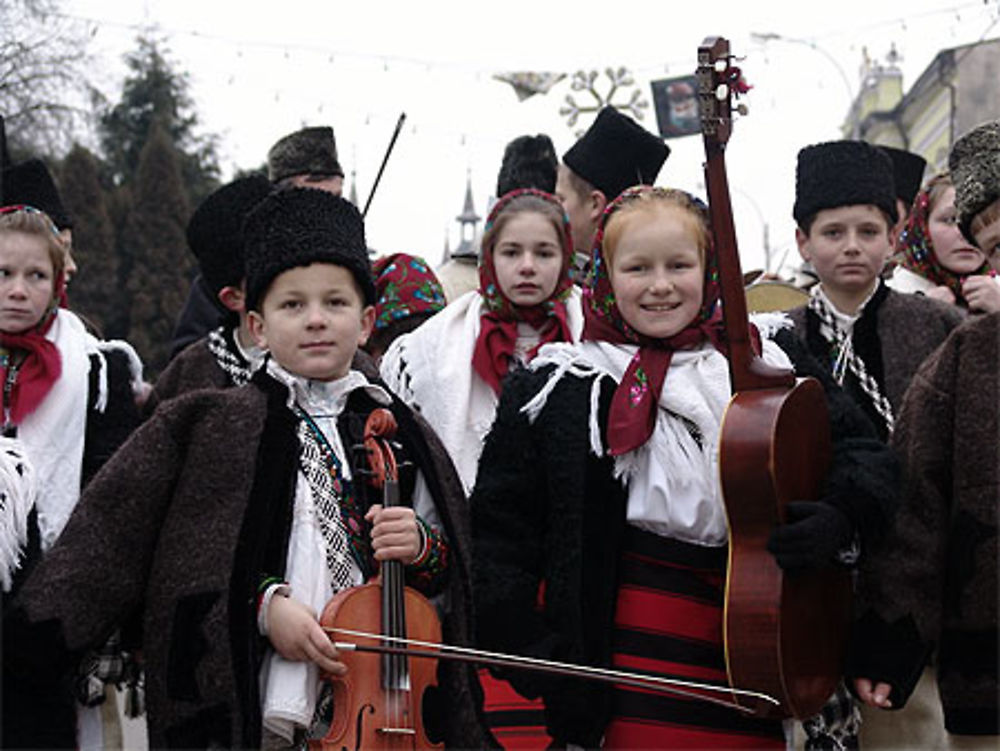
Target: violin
(378,703)
(395,643)
(784,634)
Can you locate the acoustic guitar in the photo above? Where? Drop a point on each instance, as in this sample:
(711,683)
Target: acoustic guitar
(785,633)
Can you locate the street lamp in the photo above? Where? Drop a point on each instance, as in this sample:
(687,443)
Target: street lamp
(770,36)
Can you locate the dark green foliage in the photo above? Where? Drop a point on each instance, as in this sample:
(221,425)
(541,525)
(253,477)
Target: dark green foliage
(162,266)
(94,290)
(154,91)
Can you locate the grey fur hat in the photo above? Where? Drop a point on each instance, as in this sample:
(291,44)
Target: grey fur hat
(310,151)
(974,163)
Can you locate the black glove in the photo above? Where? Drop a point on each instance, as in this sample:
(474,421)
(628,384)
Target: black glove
(814,534)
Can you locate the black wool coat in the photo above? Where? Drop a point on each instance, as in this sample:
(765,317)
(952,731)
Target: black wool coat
(545,508)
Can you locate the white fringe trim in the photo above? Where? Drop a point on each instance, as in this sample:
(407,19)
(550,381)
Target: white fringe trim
(18,492)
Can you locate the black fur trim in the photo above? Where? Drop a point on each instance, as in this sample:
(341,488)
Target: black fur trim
(262,547)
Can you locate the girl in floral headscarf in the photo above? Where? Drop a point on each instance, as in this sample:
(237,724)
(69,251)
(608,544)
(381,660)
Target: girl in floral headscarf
(933,257)
(600,478)
(452,367)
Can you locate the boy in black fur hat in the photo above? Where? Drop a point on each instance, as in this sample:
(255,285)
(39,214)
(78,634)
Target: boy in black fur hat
(227,355)
(614,154)
(231,548)
(870,337)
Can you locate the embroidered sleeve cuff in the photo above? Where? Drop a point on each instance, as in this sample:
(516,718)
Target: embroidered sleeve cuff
(427,570)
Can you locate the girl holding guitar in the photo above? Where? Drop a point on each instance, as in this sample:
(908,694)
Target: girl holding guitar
(601,478)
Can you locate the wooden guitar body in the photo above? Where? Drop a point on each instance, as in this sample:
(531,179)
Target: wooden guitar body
(784,633)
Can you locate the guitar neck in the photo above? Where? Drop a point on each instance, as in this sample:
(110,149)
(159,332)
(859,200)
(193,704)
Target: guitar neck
(747,371)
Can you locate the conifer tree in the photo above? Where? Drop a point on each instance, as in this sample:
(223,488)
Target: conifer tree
(161,266)
(95,291)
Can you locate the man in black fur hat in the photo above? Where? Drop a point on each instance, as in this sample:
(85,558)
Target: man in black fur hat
(614,154)
(528,162)
(306,158)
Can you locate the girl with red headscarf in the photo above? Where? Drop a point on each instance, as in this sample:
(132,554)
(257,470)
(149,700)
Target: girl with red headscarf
(67,404)
(452,367)
(600,478)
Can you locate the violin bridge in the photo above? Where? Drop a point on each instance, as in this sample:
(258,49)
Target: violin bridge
(397,731)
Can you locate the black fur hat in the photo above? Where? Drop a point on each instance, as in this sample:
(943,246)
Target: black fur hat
(528,162)
(310,151)
(974,163)
(842,173)
(214,232)
(31,183)
(907,172)
(616,153)
(301,226)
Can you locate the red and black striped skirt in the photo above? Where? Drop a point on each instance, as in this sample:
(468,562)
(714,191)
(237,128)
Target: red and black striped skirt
(668,621)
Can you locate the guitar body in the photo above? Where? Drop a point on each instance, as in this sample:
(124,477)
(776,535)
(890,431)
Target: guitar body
(785,634)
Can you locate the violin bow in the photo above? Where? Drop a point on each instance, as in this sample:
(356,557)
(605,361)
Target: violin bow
(385,159)
(431,650)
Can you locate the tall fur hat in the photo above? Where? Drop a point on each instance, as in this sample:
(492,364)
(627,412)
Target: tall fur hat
(974,163)
(31,183)
(843,173)
(616,153)
(215,230)
(310,151)
(301,226)
(907,172)
(528,162)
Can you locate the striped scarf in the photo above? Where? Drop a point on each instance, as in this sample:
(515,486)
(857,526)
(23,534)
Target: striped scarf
(845,359)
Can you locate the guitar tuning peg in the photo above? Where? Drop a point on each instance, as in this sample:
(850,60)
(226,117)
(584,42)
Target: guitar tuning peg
(743,109)
(722,92)
(721,65)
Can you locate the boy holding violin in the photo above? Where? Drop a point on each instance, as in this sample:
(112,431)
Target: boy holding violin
(230,548)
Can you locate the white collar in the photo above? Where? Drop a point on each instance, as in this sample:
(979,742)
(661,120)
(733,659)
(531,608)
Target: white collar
(327,398)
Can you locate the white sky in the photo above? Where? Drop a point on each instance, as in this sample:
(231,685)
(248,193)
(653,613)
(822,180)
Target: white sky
(258,71)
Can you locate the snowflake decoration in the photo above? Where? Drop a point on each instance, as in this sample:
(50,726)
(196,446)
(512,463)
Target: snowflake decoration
(586,81)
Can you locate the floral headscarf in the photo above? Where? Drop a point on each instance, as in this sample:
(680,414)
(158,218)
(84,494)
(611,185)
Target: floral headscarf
(404,286)
(498,324)
(634,405)
(916,250)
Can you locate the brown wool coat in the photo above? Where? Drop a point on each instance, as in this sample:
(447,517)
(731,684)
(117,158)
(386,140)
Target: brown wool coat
(193,498)
(909,328)
(934,586)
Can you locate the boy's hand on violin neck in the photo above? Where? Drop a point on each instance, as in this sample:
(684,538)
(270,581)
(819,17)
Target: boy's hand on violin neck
(395,534)
(812,536)
(296,635)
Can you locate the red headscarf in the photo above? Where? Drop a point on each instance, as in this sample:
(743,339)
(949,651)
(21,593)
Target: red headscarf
(498,324)
(32,378)
(634,404)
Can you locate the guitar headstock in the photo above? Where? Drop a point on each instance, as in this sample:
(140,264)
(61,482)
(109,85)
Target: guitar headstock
(719,83)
